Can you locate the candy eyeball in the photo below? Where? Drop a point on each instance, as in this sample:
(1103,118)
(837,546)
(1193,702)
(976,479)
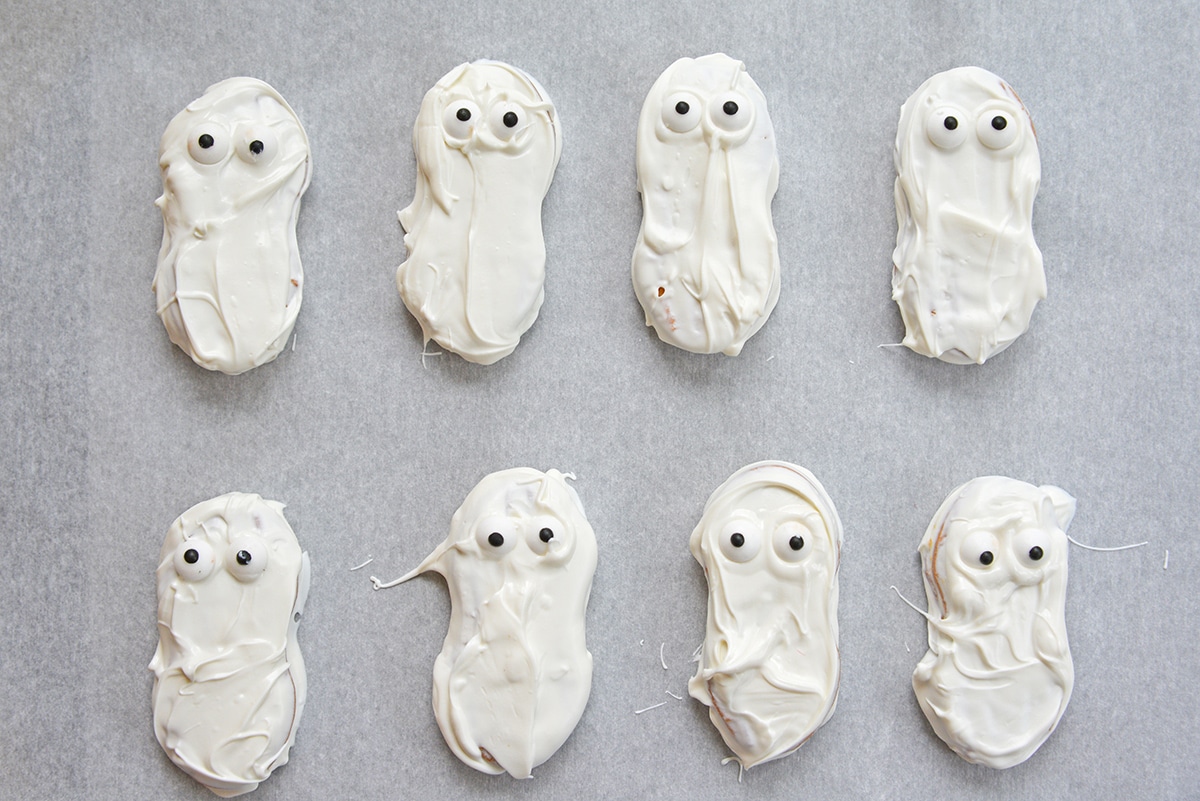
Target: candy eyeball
(208,143)
(246,557)
(730,111)
(997,129)
(793,541)
(195,559)
(507,120)
(496,535)
(947,127)
(681,112)
(546,535)
(740,539)
(980,549)
(1032,547)
(257,144)
(460,119)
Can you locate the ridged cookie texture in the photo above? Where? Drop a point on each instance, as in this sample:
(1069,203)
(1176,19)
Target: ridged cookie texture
(487,141)
(229,681)
(998,674)
(514,673)
(967,272)
(706,263)
(235,164)
(770,543)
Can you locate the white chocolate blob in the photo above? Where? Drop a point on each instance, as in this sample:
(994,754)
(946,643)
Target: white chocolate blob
(234,166)
(770,543)
(706,264)
(229,682)
(998,673)
(514,673)
(487,142)
(966,270)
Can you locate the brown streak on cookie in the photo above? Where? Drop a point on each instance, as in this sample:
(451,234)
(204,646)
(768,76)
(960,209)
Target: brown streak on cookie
(931,575)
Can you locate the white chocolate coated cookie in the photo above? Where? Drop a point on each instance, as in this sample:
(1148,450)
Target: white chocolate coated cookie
(229,682)
(770,543)
(966,270)
(998,673)
(514,673)
(487,142)
(229,282)
(706,264)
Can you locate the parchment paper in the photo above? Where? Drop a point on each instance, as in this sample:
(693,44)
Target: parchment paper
(109,432)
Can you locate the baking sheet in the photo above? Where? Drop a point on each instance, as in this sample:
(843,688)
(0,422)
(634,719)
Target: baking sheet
(110,432)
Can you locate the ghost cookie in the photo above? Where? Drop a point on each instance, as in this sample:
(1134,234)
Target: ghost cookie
(966,271)
(706,263)
(770,543)
(998,673)
(514,673)
(487,142)
(229,281)
(229,683)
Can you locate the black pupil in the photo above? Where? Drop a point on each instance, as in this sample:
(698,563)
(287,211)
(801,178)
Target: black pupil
(205,141)
(682,108)
(510,119)
(243,558)
(256,147)
(191,556)
(545,535)
(951,123)
(1035,553)
(796,542)
(999,123)
(495,539)
(737,540)
(730,108)
(986,558)
(463,114)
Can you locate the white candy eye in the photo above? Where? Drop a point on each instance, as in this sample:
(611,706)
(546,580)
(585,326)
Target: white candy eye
(730,111)
(460,119)
(792,541)
(946,127)
(256,144)
(507,120)
(997,129)
(208,143)
(496,535)
(681,112)
(546,534)
(246,557)
(740,539)
(1032,547)
(980,549)
(194,560)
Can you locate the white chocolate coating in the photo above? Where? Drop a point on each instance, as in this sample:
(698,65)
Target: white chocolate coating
(966,270)
(998,673)
(476,257)
(514,673)
(229,682)
(706,264)
(229,279)
(770,665)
